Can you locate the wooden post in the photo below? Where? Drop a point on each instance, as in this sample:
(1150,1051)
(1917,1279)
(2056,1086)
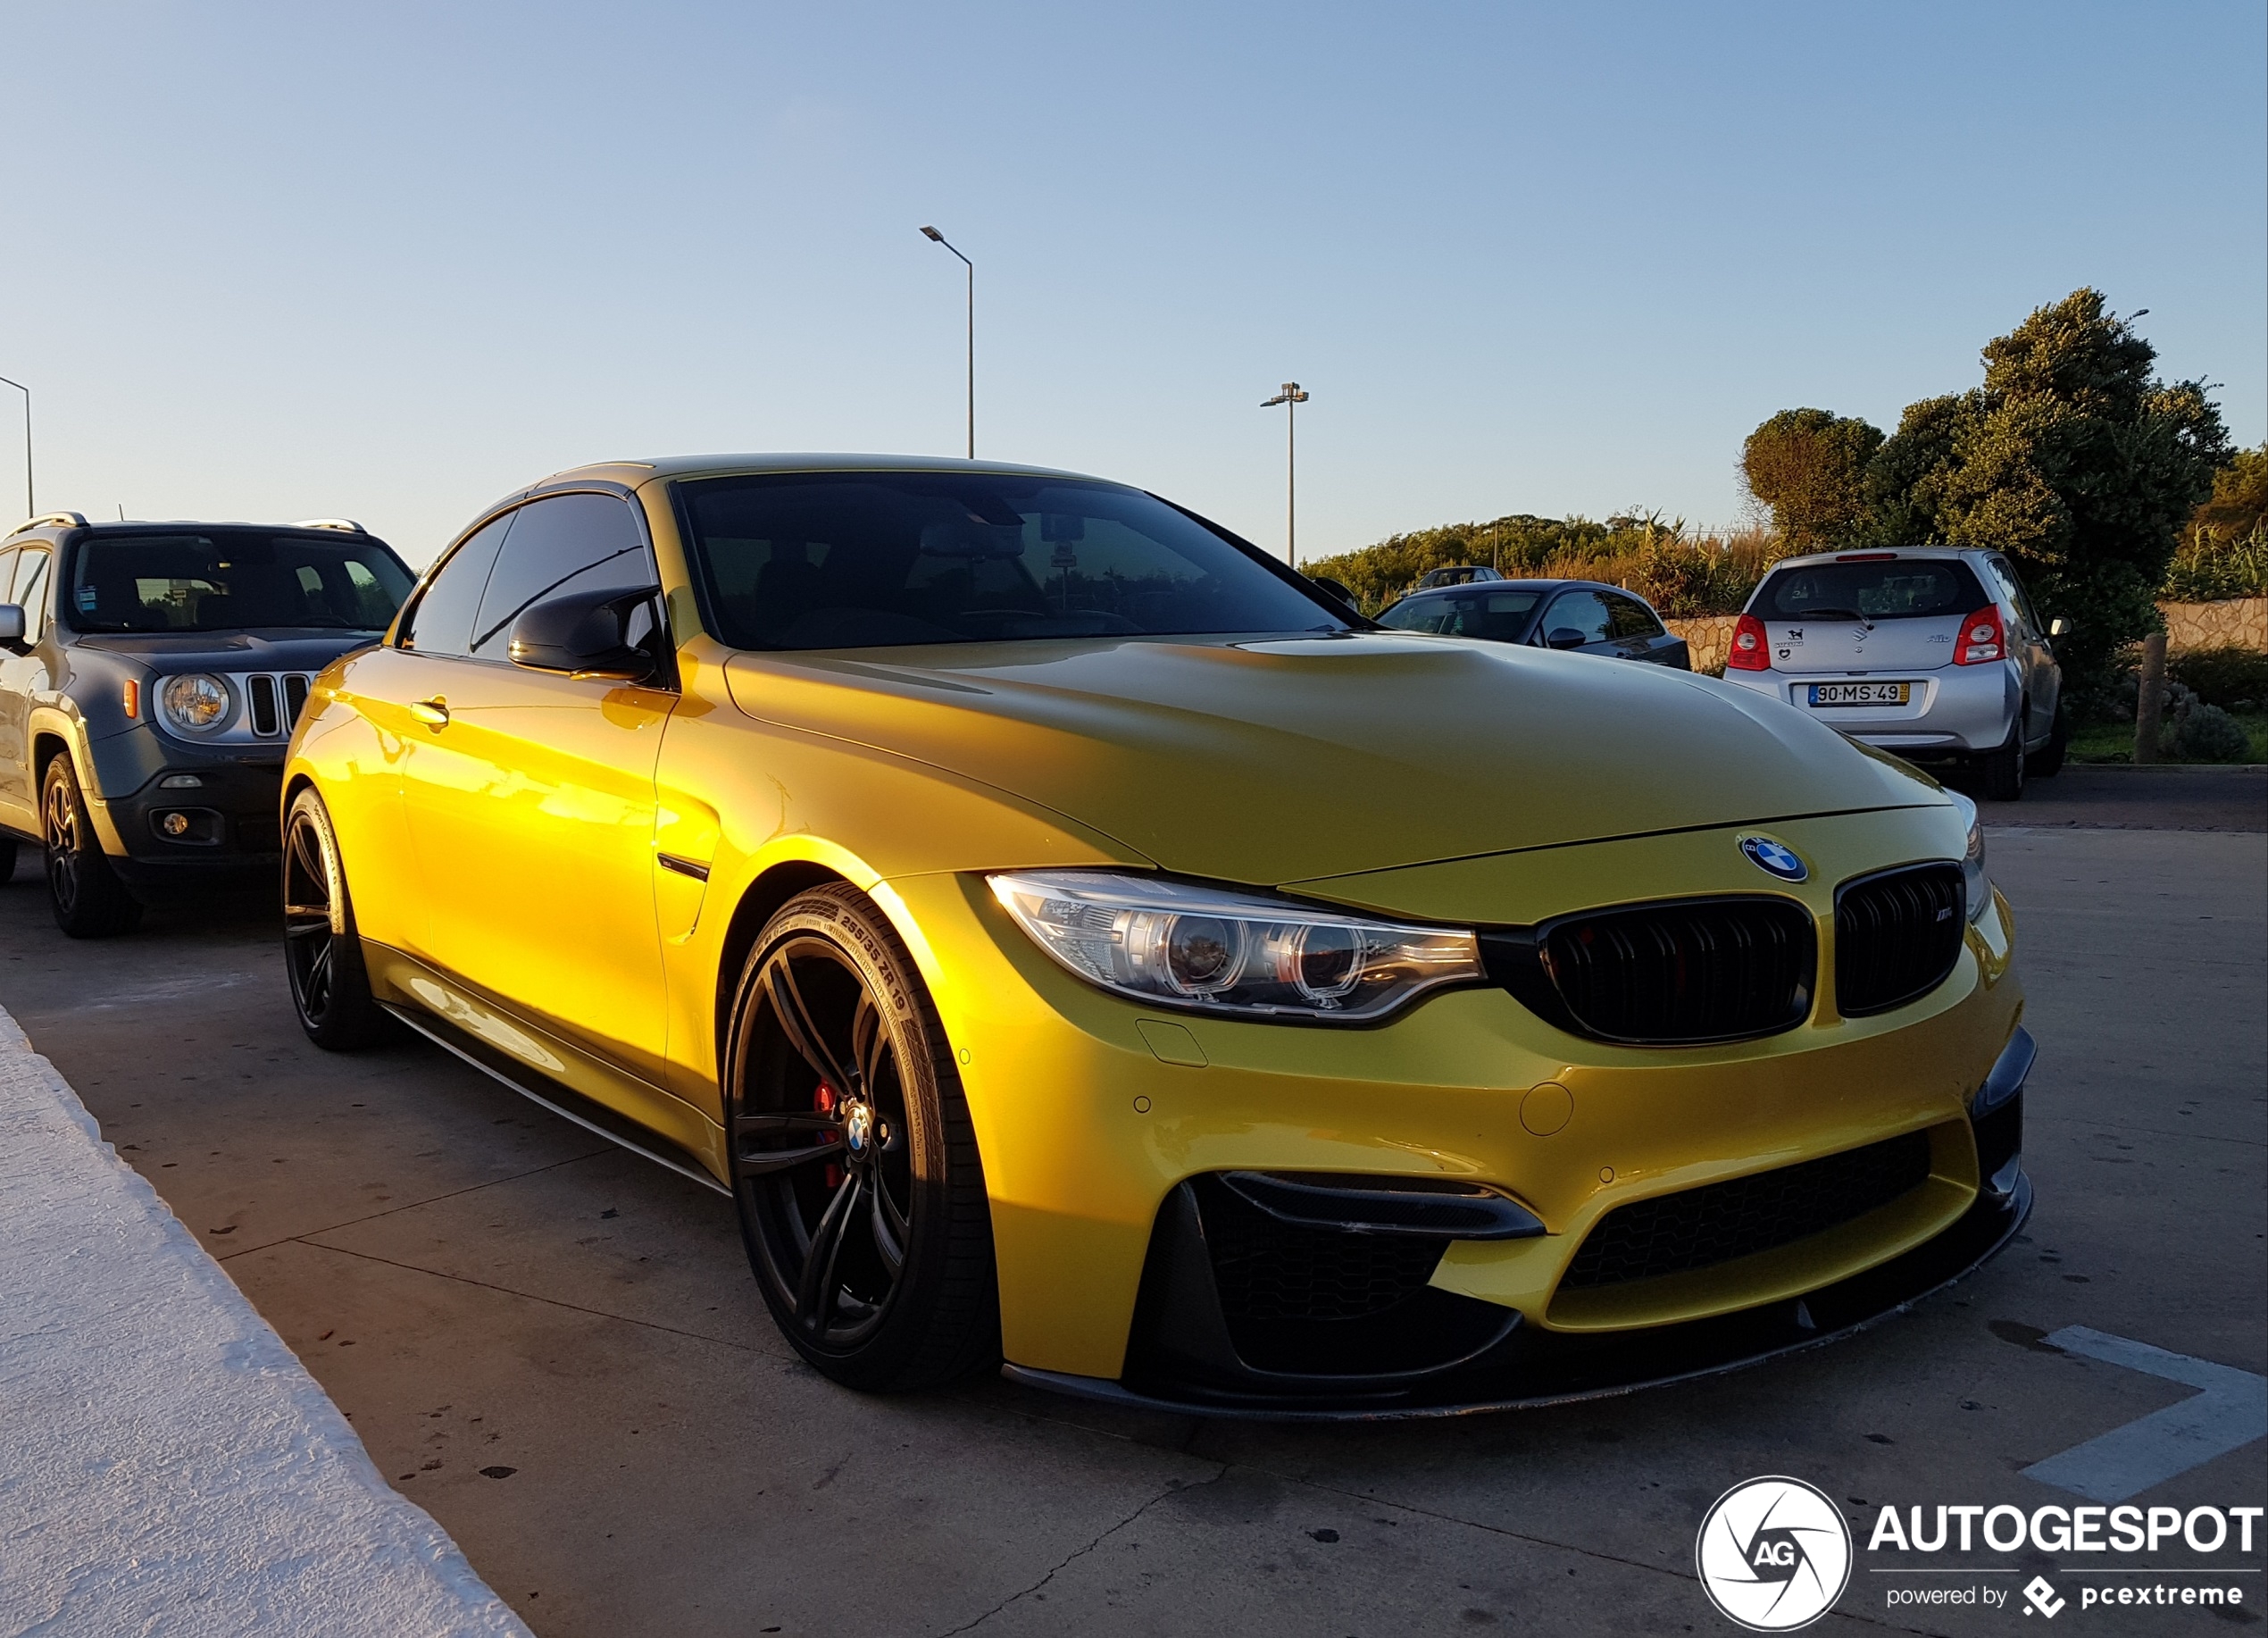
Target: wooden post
(2149,700)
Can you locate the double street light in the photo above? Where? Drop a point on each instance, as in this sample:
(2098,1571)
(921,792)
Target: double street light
(938,237)
(1291,398)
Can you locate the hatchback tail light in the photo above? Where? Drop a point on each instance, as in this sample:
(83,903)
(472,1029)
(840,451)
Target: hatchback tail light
(1983,637)
(1751,648)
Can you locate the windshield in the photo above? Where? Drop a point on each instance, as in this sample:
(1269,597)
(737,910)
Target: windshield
(1501,615)
(856,560)
(1890,588)
(228,580)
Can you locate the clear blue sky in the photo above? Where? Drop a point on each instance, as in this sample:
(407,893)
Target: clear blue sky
(391,261)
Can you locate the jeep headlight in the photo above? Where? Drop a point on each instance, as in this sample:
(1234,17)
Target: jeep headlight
(1170,944)
(193,702)
(1972,858)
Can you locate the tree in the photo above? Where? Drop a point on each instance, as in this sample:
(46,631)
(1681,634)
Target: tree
(1809,467)
(2072,458)
(2237,507)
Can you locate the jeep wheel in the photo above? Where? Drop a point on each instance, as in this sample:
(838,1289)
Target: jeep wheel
(89,901)
(330,990)
(854,1162)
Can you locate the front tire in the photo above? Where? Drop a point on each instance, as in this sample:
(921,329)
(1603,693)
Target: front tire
(2004,769)
(330,989)
(88,900)
(855,1165)
(2047,762)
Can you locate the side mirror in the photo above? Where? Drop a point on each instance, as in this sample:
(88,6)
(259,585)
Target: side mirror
(1334,588)
(1564,637)
(583,635)
(11,625)
(2062,625)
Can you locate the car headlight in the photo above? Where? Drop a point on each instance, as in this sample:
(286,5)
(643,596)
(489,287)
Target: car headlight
(1170,944)
(193,702)
(1972,859)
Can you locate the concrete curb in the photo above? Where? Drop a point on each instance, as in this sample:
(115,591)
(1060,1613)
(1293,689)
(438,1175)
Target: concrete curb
(166,1463)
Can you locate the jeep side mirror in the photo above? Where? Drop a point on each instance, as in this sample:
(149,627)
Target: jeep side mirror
(2060,625)
(582,634)
(1334,588)
(11,625)
(1564,637)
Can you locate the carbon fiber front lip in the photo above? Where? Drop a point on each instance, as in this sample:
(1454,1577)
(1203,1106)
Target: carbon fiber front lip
(1564,1371)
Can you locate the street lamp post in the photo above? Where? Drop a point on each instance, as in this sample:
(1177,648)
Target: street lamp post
(1291,398)
(30,506)
(932,233)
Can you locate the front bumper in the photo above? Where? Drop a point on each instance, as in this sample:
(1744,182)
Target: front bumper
(1956,711)
(1095,1117)
(227,830)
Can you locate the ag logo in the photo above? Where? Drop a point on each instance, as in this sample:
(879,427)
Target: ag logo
(1774,1554)
(1773,858)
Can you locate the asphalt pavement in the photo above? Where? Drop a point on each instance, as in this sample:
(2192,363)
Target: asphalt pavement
(558,1351)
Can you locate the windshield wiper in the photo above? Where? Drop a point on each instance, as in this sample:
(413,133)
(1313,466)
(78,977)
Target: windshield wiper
(1835,613)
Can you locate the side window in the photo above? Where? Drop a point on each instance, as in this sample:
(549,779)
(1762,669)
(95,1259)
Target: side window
(561,544)
(7,573)
(442,621)
(2005,572)
(1630,617)
(30,590)
(1579,611)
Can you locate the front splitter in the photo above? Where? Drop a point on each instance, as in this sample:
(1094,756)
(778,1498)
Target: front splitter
(1536,1368)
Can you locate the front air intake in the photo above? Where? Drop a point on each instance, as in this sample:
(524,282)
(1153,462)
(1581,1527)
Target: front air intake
(1896,936)
(1678,973)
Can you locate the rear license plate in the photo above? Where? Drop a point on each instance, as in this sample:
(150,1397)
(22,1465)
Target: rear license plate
(1860,693)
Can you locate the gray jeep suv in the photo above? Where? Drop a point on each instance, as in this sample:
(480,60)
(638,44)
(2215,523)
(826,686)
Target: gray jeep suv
(150,675)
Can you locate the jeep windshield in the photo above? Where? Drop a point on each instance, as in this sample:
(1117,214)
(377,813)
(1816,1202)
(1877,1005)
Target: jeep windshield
(231,579)
(857,560)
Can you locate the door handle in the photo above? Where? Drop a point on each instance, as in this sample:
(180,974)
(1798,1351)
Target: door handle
(432,713)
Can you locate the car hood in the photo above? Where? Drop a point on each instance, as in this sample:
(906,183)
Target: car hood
(1274,761)
(278,648)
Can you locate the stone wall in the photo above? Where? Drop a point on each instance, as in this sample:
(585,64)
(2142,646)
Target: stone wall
(2240,623)
(1708,638)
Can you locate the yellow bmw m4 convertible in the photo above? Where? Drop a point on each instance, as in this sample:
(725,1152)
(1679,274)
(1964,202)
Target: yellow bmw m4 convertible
(1076,941)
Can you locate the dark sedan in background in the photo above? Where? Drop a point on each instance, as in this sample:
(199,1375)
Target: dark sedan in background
(150,675)
(1581,615)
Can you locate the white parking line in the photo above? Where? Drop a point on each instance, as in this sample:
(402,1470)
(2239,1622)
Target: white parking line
(2231,1413)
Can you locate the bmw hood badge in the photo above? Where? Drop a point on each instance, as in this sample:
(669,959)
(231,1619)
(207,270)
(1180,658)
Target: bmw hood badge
(1774,858)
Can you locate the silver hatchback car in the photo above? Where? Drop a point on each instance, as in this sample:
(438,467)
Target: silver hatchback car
(1931,653)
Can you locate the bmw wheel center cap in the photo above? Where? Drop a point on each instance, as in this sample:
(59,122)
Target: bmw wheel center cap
(1774,858)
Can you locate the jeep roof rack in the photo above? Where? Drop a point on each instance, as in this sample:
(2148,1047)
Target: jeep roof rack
(67,520)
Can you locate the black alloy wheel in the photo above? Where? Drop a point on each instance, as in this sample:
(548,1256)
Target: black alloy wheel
(330,989)
(88,900)
(854,1164)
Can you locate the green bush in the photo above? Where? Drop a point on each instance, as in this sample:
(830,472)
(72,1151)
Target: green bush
(1681,574)
(2209,567)
(2207,733)
(2232,678)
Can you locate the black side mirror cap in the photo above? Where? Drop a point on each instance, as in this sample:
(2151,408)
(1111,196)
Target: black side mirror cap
(11,626)
(1564,637)
(1335,588)
(583,635)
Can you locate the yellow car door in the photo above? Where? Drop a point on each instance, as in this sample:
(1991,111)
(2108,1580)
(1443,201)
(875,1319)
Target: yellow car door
(22,673)
(530,795)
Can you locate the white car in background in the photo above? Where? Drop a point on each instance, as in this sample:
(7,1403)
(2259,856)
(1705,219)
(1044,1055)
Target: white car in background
(1931,653)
